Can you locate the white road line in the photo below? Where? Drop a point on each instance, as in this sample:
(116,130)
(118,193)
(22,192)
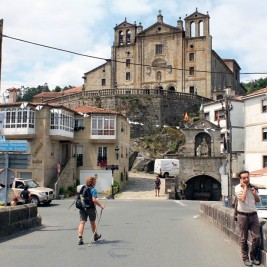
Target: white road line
(179,202)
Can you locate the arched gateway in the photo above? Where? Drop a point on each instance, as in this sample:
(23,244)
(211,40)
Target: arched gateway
(203,187)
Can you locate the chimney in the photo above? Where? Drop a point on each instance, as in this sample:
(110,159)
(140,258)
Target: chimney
(12,92)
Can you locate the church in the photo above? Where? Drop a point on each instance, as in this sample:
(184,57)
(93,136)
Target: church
(166,58)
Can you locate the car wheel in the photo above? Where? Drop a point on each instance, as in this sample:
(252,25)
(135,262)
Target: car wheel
(35,200)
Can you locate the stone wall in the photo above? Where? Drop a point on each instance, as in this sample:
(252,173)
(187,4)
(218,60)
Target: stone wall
(18,218)
(150,109)
(223,218)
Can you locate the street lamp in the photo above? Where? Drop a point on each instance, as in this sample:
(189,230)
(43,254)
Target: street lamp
(117,152)
(227,110)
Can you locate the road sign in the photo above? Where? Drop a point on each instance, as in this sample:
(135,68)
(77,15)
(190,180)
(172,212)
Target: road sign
(10,177)
(13,146)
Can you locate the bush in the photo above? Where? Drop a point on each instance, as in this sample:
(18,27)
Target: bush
(116,187)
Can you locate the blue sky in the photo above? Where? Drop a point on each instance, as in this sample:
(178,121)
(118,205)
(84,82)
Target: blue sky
(86,26)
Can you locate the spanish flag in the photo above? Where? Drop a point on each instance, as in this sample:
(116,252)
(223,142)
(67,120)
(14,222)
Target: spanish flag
(185,117)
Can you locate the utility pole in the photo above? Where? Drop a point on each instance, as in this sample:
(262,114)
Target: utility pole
(227,109)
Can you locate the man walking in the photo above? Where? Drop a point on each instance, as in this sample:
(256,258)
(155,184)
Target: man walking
(247,218)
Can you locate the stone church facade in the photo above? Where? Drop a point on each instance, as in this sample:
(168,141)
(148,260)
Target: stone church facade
(163,57)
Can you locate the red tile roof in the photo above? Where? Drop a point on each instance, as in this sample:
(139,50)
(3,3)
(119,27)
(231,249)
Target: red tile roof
(257,92)
(58,94)
(260,172)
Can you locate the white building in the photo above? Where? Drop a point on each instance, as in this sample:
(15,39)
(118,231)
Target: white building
(255,114)
(216,113)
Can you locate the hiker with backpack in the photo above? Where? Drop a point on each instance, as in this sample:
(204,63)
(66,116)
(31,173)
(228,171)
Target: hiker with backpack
(89,199)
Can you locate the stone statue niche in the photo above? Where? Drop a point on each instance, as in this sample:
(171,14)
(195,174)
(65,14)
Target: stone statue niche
(203,147)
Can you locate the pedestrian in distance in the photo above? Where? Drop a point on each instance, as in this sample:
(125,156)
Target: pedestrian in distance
(25,195)
(157,186)
(88,195)
(247,218)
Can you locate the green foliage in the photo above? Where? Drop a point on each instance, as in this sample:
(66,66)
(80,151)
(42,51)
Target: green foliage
(164,140)
(28,93)
(255,85)
(116,187)
(62,190)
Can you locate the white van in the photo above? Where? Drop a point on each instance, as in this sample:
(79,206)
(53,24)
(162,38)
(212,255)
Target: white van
(166,167)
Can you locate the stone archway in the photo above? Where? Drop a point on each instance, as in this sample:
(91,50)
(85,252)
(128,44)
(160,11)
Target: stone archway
(203,187)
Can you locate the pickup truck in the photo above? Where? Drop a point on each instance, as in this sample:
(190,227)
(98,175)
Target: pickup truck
(38,194)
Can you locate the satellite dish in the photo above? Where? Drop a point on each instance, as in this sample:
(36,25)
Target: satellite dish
(10,177)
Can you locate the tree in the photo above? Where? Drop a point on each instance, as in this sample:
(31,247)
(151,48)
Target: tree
(28,93)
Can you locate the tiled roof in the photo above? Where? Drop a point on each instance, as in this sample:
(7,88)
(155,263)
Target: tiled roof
(58,94)
(257,92)
(48,94)
(260,172)
(93,110)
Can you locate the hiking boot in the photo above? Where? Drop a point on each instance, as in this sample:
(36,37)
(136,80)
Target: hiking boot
(80,241)
(247,262)
(96,237)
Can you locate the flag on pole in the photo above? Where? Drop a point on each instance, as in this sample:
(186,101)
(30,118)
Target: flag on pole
(185,117)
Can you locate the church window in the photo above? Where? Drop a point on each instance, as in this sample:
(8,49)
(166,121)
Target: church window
(103,82)
(191,56)
(121,38)
(264,162)
(191,90)
(191,71)
(128,62)
(158,76)
(200,28)
(128,76)
(158,49)
(192,29)
(128,37)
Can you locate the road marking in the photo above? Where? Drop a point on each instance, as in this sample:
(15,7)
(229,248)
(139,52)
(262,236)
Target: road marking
(179,202)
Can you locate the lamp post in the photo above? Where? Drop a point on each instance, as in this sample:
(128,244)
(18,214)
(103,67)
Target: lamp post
(117,152)
(227,110)
(113,168)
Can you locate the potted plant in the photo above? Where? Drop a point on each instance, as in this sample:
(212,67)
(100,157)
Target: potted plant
(62,192)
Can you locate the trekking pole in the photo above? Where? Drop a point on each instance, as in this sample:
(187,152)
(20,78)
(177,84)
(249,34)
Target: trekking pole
(72,203)
(97,224)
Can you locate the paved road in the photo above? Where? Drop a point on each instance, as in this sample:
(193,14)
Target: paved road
(141,186)
(143,232)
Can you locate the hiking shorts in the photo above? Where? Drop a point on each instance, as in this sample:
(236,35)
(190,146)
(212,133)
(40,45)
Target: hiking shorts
(91,213)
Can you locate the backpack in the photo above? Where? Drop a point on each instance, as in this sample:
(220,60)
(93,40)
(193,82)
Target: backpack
(84,199)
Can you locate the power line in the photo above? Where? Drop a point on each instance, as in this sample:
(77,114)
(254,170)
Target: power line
(124,62)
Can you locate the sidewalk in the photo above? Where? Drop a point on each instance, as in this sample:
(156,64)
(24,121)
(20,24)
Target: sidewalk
(141,185)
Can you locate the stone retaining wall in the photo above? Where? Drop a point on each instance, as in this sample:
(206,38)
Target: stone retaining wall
(223,218)
(18,218)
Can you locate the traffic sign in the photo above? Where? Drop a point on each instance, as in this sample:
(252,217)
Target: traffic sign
(13,146)
(10,176)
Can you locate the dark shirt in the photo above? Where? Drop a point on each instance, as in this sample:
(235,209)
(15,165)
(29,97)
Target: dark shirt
(25,194)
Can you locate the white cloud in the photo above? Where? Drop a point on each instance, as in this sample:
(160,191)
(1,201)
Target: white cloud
(237,27)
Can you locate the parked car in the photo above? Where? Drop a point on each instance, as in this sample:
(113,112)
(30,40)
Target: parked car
(262,205)
(39,194)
